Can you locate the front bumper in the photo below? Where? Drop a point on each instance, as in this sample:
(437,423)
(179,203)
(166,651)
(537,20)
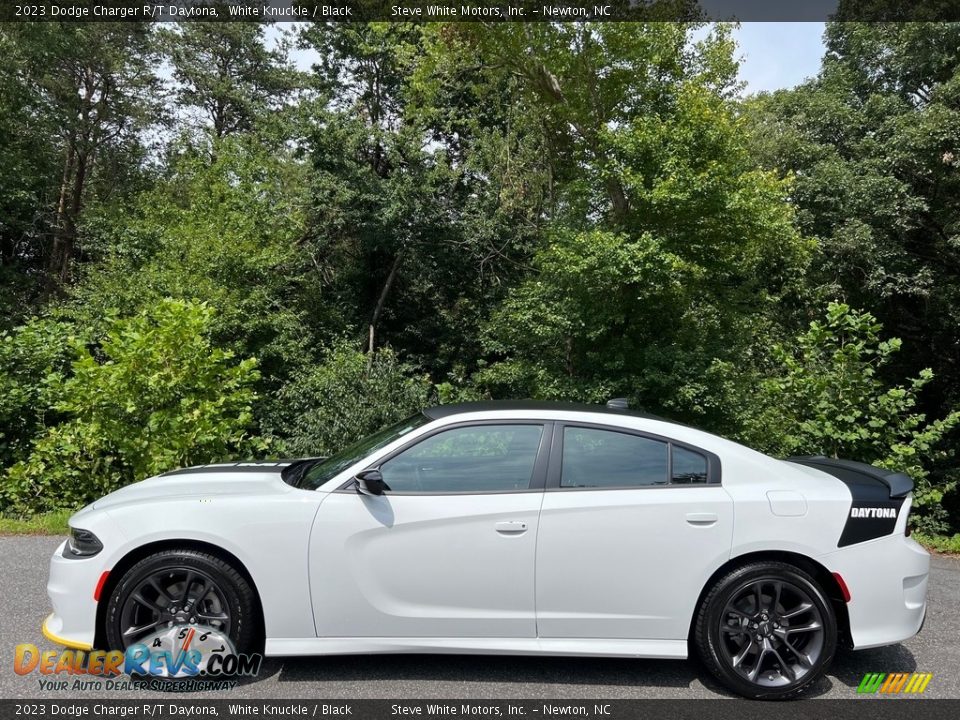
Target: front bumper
(887,579)
(51,629)
(70,589)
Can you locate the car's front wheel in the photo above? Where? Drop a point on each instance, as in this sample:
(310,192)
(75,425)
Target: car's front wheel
(180,587)
(766,630)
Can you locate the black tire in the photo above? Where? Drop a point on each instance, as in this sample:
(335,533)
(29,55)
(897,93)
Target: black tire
(234,598)
(782,646)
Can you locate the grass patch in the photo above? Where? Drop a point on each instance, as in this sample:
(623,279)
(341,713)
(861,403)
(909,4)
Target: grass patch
(53,523)
(939,543)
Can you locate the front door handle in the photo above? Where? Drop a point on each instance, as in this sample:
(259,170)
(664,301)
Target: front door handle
(511,527)
(702,519)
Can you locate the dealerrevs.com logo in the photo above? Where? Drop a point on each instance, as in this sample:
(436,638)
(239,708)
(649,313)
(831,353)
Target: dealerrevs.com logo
(197,657)
(895,683)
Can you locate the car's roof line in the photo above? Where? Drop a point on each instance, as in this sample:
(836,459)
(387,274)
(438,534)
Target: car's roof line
(442,411)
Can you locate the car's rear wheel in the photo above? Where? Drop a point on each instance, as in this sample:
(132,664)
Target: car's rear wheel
(766,630)
(180,587)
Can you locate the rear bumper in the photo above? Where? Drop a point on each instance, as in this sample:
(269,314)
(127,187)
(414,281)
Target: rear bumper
(887,578)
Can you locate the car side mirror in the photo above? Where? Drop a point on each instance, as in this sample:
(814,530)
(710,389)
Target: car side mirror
(370,482)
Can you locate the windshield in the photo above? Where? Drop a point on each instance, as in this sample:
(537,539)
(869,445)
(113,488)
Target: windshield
(337,463)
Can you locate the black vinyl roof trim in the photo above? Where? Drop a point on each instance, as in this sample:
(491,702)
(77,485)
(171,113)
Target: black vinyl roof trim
(443,411)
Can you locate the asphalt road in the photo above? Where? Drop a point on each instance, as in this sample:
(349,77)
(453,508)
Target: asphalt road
(23,605)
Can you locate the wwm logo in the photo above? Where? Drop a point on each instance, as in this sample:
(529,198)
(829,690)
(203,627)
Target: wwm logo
(893,683)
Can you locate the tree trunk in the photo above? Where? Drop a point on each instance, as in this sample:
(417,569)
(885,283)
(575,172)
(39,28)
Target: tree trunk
(378,310)
(62,245)
(71,187)
(73,217)
(618,200)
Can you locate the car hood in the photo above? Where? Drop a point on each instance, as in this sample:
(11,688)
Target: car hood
(244,478)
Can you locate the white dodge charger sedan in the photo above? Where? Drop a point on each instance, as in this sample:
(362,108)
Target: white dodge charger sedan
(510,528)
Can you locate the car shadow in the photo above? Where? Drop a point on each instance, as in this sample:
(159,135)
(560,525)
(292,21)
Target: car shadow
(518,670)
(850,666)
(848,669)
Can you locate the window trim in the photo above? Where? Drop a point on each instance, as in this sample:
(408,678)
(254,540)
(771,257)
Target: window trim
(538,477)
(555,468)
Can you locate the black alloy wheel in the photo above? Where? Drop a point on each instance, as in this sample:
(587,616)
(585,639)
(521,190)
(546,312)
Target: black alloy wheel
(767,631)
(173,596)
(772,633)
(180,588)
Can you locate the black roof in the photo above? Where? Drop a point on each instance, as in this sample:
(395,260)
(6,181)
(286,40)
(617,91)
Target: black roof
(442,411)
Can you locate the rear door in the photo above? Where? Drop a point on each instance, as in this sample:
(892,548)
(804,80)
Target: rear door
(632,526)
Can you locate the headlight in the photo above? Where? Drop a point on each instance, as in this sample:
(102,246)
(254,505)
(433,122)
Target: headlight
(82,543)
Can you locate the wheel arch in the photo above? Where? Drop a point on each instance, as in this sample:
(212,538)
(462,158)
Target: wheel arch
(143,551)
(824,578)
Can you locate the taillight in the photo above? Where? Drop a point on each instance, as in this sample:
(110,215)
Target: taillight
(841,583)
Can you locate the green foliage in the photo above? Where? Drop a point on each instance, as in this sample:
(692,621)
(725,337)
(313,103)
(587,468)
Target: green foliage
(27,176)
(872,147)
(829,398)
(153,395)
(949,544)
(225,233)
(226,72)
(28,356)
(556,210)
(400,228)
(346,396)
(670,249)
(90,88)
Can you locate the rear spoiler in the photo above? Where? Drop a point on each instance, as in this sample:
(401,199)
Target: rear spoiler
(898,484)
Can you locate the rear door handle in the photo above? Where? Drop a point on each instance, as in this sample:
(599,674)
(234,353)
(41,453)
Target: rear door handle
(702,519)
(511,527)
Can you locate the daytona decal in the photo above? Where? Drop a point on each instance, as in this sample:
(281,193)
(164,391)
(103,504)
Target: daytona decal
(873,512)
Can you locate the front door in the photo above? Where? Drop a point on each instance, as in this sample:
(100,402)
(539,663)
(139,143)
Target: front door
(447,551)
